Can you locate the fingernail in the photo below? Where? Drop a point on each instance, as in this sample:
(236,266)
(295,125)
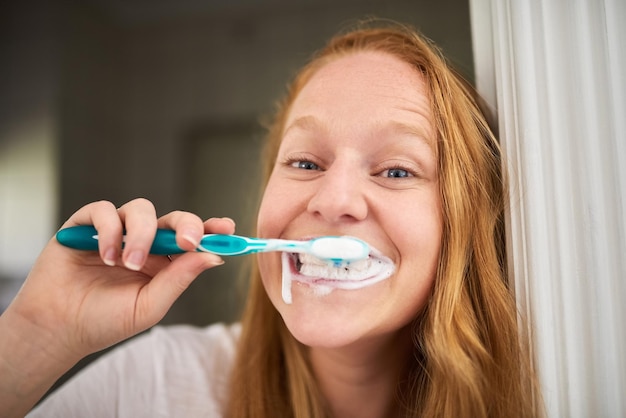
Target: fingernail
(110,257)
(216,260)
(134,261)
(189,236)
(229,220)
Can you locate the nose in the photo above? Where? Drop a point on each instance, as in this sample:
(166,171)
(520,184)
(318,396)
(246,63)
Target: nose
(339,196)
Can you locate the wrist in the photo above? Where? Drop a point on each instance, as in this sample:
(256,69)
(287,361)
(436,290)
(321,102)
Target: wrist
(31,360)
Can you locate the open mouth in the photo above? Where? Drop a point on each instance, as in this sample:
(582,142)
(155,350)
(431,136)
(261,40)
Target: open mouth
(326,276)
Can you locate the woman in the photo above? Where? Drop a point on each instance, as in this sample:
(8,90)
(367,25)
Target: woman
(466,358)
(377,138)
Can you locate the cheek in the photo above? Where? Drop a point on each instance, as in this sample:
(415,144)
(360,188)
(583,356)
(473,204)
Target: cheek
(269,212)
(418,225)
(282,202)
(270,270)
(267,267)
(417,234)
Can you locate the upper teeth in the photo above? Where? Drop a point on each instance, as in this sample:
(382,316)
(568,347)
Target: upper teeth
(314,267)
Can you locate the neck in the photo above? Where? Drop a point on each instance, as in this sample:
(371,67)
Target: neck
(361,380)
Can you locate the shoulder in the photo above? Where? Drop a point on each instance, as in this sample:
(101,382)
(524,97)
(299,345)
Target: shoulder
(178,341)
(168,371)
(188,367)
(178,350)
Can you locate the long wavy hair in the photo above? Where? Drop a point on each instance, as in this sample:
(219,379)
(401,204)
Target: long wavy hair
(470,358)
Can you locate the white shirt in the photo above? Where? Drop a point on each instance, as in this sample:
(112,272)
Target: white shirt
(172,371)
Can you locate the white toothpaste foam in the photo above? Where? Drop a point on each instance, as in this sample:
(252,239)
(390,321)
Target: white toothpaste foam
(325,276)
(286,286)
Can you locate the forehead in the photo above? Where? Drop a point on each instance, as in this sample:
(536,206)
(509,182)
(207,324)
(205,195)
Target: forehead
(368,64)
(362,85)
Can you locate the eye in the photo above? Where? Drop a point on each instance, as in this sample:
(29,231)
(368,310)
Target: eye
(304,165)
(396,173)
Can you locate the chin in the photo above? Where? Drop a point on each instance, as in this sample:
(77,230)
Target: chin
(333,320)
(323,334)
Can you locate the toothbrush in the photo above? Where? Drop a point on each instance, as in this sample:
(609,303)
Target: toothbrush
(334,249)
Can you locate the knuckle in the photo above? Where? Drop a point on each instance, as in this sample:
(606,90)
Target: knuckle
(176,214)
(103,205)
(141,203)
(186,217)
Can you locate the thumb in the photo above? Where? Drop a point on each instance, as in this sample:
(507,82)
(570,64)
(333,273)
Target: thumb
(158,296)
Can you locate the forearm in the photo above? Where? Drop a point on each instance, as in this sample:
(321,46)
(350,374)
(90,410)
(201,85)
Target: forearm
(30,363)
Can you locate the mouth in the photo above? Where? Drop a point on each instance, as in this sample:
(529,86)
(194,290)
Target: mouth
(324,276)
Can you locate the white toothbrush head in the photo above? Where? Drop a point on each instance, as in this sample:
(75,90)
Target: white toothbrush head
(339,249)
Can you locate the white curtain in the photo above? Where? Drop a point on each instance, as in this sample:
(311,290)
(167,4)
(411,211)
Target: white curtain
(555,73)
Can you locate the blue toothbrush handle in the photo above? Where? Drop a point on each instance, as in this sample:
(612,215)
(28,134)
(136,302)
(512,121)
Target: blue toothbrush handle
(84,237)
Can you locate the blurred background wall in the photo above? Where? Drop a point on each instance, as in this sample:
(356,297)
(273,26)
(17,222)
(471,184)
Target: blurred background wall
(118,99)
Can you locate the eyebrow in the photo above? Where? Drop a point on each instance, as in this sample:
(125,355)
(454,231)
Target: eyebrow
(413,130)
(312,124)
(305,123)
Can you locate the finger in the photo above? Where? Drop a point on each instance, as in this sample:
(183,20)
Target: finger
(188,227)
(161,292)
(219,226)
(104,217)
(140,223)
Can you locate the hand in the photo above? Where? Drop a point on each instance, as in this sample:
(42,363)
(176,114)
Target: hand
(77,302)
(92,300)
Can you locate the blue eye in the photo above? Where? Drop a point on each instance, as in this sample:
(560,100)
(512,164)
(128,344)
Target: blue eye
(396,173)
(305,165)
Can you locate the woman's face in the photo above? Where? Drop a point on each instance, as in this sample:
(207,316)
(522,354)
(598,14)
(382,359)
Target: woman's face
(357,158)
